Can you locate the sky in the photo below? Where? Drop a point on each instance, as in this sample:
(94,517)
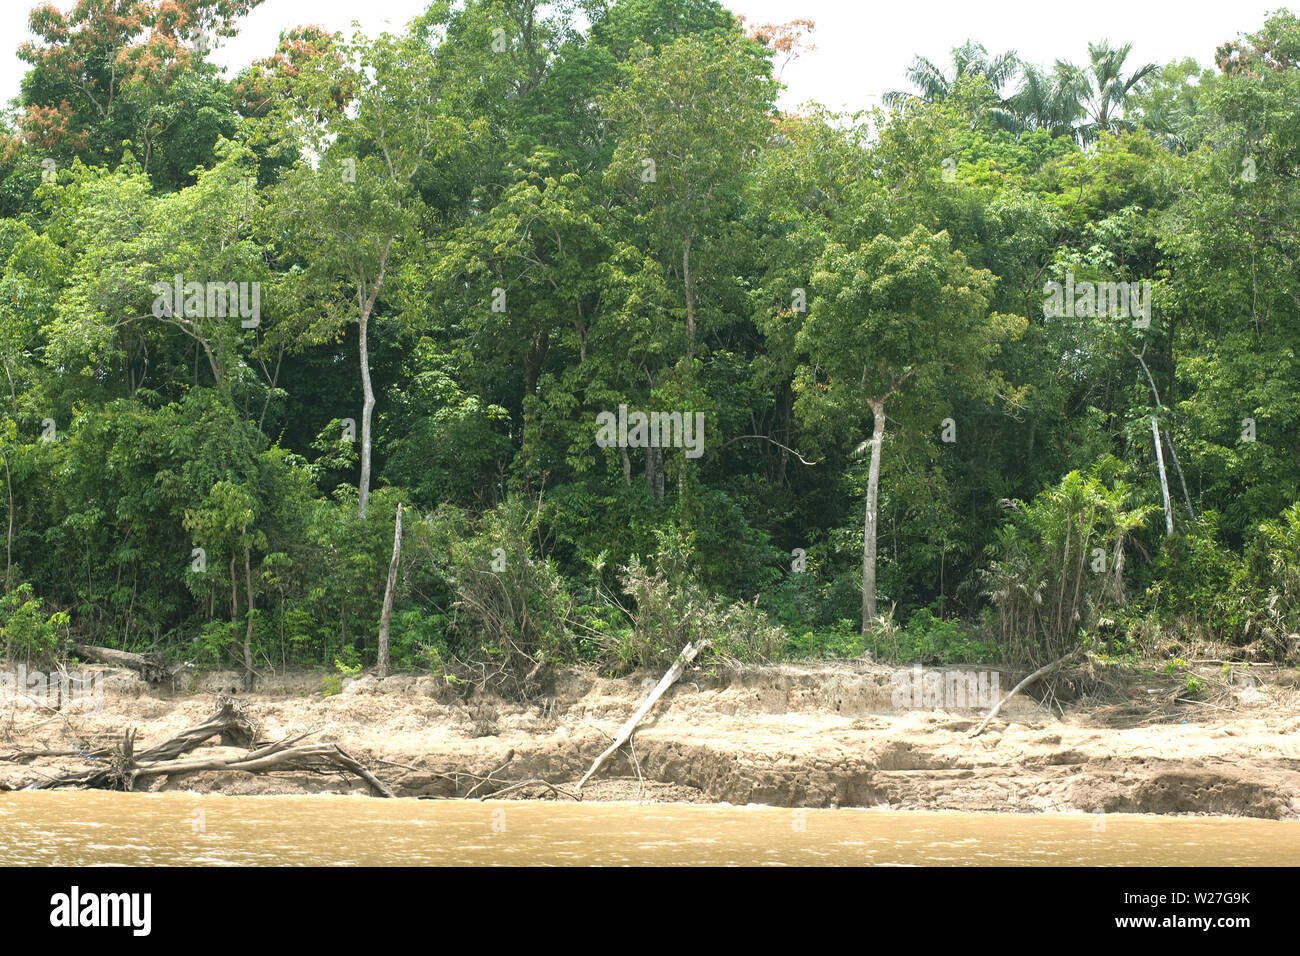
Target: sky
(863,47)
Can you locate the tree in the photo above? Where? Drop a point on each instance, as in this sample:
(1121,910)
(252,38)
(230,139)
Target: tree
(111,72)
(970,59)
(689,119)
(1107,89)
(342,222)
(1049,101)
(891,318)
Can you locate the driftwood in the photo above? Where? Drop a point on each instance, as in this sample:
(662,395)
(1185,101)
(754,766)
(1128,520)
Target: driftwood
(152,668)
(121,768)
(685,657)
(1041,672)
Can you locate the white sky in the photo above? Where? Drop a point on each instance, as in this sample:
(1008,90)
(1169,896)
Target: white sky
(863,47)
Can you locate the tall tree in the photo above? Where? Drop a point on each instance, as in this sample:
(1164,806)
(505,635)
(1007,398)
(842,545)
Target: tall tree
(892,318)
(971,59)
(1107,89)
(343,221)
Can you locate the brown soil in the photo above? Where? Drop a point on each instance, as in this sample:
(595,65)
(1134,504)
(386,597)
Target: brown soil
(813,735)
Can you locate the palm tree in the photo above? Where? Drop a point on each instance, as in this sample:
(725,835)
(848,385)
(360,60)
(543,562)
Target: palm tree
(969,59)
(1052,102)
(1107,89)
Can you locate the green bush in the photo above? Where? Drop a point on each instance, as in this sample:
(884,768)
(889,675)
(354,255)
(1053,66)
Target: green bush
(930,639)
(1195,583)
(28,632)
(843,639)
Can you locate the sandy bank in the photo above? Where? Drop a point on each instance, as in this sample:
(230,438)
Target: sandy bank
(813,735)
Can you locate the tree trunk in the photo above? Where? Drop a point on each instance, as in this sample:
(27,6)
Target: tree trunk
(533,364)
(654,472)
(1041,672)
(367,408)
(366,305)
(687,655)
(787,416)
(690,299)
(1187,498)
(151,666)
(1164,481)
(1155,393)
(248,630)
(1119,572)
(9,537)
(869,528)
(234,593)
(386,616)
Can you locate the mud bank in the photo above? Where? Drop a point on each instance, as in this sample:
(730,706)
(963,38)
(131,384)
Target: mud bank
(822,735)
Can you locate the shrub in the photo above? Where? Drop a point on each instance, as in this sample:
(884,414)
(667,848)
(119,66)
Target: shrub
(28,632)
(509,607)
(670,608)
(1043,579)
(931,639)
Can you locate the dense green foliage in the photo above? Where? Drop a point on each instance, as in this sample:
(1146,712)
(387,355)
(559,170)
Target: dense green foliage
(471,239)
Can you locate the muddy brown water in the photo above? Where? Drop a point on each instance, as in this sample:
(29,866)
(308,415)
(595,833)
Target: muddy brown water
(95,828)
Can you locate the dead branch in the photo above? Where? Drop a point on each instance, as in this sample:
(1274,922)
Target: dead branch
(685,657)
(1041,672)
(121,768)
(532,783)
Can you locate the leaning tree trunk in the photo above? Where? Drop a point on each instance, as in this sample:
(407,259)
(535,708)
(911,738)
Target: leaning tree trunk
(686,655)
(869,528)
(386,616)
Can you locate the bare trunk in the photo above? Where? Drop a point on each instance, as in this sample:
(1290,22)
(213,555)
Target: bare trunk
(366,305)
(787,414)
(533,364)
(151,666)
(1164,481)
(9,537)
(248,630)
(625,733)
(1041,672)
(1119,572)
(1187,499)
(654,472)
(367,408)
(627,466)
(1172,453)
(690,300)
(386,616)
(869,528)
(234,593)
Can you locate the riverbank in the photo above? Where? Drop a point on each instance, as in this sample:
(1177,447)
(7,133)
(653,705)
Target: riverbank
(816,735)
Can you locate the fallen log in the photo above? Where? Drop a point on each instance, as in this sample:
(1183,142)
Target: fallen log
(151,666)
(685,657)
(121,768)
(274,758)
(1041,672)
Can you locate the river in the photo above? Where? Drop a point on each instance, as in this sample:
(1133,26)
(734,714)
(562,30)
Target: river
(98,828)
